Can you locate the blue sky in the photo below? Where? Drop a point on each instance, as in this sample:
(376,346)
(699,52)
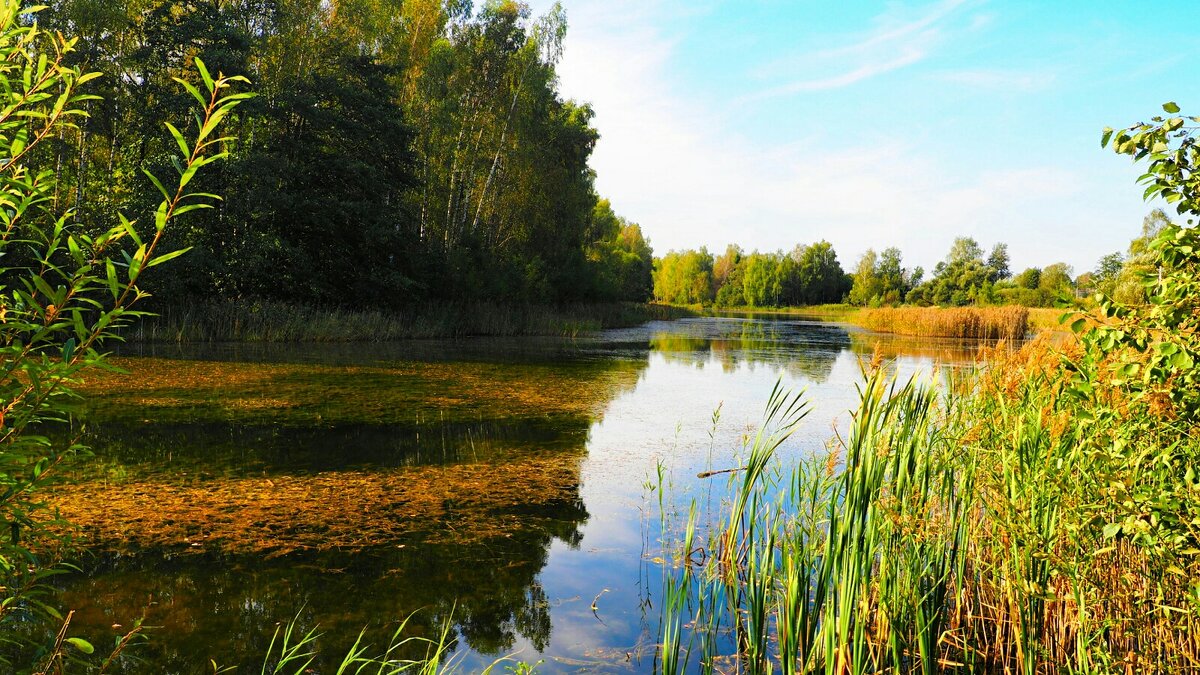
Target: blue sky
(873,124)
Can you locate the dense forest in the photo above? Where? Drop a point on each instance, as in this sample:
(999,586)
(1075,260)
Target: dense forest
(395,153)
(811,275)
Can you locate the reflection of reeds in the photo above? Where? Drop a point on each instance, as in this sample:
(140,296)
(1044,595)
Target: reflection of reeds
(982,323)
(261,321)
(962,534)
(293,650)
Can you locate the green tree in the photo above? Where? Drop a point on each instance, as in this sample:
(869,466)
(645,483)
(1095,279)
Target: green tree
(819,276)
(684,277)
(997,263)
(762,284)
(1056,278)
(868,286)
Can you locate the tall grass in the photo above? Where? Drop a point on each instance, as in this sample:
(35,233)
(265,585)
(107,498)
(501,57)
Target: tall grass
(964,531)
(258,321)
(983,323)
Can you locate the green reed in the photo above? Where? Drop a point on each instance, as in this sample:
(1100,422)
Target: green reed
(963,528)
(293,651)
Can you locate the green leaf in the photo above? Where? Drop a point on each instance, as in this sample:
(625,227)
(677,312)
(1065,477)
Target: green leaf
(208,81)
(192,90)
(158,184)
(159,259)
(1169,106)
(1111,530)
(183,146)
(81,644)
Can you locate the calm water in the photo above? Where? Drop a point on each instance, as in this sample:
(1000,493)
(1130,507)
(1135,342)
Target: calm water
(505,486)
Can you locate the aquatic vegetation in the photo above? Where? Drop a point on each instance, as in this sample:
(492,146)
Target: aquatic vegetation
(983,323)
(173,390)
(343,510)
(266,321)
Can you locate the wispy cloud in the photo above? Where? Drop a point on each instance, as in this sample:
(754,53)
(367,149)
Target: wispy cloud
(863,72)
(893,44)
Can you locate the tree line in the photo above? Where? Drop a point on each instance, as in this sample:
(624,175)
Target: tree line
(397,152)
(807,275)
(812,275)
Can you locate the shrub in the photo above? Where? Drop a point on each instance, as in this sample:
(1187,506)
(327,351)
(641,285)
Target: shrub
(65,287)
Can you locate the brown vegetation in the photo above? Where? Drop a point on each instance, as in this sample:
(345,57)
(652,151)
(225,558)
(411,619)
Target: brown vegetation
(344,510)
(983,323)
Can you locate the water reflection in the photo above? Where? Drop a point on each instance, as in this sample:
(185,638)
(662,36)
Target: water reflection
(500,484)
(805,349)
(226,608)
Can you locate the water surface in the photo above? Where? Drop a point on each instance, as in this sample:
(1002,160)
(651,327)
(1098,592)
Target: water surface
(508,487)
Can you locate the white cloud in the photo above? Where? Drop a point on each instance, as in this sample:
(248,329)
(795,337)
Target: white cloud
(681,168)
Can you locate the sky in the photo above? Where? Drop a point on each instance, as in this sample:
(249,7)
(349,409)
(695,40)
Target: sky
(771,123)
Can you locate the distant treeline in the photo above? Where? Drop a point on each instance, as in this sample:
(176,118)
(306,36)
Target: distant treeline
(808,275)
(812,275)
(397,152)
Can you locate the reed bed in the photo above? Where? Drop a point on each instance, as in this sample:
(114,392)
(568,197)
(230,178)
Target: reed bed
(260,321)
(1046,319)
(982,323)
(992,526)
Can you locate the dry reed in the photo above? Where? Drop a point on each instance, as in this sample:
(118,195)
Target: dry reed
(983,323)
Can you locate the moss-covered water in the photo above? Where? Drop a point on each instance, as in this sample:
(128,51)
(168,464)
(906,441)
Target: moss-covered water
(506,486)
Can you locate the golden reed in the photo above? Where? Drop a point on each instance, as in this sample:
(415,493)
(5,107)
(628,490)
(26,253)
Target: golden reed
(985,323)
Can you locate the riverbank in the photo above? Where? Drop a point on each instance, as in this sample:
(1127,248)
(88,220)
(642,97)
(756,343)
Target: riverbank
(260,321)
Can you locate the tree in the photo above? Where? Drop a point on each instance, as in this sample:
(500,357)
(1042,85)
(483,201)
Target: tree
(762,285)
(684,277)
(1031,278)
(868,286)
(997,263)
(963,251)
(819,277)
(1056,278)
(1109,266)
(448,164)
(958,279)
(724,267)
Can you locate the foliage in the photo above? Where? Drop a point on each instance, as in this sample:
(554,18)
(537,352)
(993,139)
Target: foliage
(808,275)
(880,279)
(400,153)
(67,286)
(684,278)
(620,255)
